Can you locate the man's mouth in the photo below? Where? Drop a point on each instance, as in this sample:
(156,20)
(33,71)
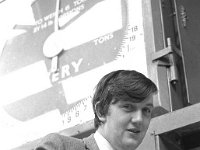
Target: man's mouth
(135,131)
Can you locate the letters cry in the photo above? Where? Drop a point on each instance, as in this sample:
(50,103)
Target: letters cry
(65,70)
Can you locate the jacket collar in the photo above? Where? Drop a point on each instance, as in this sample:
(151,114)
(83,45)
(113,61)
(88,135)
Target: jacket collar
(90,143)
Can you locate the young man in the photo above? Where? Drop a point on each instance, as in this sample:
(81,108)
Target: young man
(122,103)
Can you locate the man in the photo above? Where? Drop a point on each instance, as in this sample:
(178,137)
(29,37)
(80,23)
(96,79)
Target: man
(122,104)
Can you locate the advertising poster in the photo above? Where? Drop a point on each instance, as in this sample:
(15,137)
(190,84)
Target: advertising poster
(49,72)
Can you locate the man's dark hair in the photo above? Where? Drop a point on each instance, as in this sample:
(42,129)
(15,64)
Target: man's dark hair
(117,84)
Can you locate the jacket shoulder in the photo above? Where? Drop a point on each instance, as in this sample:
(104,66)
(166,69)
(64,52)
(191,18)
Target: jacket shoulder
(56,141)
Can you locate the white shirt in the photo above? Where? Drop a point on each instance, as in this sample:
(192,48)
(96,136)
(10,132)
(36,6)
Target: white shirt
(102,143)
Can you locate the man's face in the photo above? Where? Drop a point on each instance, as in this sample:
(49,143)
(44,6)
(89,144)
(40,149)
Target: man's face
(126,123)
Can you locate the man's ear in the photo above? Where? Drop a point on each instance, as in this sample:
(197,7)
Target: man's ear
(101,117)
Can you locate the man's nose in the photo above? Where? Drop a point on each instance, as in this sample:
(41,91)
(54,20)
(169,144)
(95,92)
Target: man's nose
(137,116)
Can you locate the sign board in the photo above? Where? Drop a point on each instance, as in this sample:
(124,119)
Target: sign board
(48,74)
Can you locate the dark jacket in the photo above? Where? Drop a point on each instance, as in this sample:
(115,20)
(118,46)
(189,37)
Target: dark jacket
(59,142)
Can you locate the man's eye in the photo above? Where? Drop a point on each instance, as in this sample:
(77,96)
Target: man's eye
(128,107)
(147,111)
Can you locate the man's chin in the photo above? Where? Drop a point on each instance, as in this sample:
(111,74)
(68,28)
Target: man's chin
(131,146)
(132,143)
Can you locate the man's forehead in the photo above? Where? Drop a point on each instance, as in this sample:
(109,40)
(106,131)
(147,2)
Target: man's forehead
(147,102)
(127,98)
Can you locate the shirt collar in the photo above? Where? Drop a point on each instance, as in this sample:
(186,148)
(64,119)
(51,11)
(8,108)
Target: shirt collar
(102,143)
